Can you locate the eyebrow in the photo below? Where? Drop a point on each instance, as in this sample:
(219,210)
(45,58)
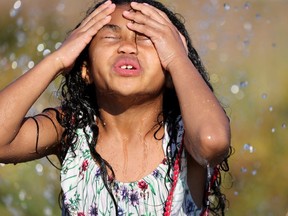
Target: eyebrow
(112,27)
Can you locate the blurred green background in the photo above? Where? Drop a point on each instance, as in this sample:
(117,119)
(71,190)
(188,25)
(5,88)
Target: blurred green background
(244,47)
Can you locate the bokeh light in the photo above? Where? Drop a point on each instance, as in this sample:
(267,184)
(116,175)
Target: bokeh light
(244,47)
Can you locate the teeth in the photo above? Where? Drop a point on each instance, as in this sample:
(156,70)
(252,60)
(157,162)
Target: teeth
(129,67)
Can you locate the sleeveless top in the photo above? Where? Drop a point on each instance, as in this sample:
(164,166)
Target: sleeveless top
(84,193)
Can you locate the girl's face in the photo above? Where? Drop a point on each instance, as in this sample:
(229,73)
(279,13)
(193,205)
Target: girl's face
(123,62)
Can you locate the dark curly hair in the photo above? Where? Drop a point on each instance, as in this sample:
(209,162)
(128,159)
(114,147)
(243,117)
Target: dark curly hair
(79,108)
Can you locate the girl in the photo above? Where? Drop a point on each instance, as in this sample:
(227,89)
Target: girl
(133,85)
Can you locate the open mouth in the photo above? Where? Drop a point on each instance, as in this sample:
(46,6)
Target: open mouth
(127,67)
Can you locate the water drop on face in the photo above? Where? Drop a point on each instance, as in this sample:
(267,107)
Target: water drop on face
(227,6)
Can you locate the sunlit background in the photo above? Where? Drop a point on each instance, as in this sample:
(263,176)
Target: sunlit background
(244,47)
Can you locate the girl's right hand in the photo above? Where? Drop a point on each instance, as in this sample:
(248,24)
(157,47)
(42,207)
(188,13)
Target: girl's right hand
(78,39)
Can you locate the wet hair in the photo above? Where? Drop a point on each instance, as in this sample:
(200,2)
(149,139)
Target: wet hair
(79,108)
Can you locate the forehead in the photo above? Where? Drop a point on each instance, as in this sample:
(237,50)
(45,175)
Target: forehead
(117,15)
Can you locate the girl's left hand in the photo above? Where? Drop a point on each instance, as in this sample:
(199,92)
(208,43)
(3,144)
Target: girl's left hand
(169,43)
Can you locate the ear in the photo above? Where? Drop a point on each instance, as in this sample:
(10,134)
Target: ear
(85,74)
(168,81)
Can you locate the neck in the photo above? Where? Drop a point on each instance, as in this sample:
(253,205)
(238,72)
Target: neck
(129,117)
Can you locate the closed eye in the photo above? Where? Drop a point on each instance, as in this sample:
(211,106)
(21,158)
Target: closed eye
(112,37)
(142,37)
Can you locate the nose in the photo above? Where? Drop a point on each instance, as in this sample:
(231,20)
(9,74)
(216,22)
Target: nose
(128,46)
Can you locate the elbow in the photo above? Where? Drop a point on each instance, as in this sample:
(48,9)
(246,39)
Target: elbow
(212,146)
(215,147)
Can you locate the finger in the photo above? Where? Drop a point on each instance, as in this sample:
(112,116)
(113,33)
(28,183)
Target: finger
(151,11)
(93,29)
(151,28)
(97,15)
(95,12)
(138,18)
(183,39)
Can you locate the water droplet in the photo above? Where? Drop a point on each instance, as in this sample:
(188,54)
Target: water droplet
(258,16)
(264,96)
(271,108)
(46,52)
(284,125)
(247,26)
(57,45)
(14,65)
(47,211)
(39,169)
(247,5)
(236,193)
(235,89)
(22,195)
(17,5)
(40,47)
(31,64)
(243,84)
(273,130)
(227,6)
(246,43)
(13,13)
(248,147)
(254,172)
(243,169)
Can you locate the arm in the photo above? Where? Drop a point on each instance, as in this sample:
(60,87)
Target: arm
(207,130)
(18,137)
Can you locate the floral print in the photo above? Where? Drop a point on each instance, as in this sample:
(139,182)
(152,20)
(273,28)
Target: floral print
(84,193)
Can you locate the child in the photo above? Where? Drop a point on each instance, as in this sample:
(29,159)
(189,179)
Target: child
(133,84)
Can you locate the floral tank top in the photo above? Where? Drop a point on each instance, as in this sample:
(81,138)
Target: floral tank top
(84,193)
